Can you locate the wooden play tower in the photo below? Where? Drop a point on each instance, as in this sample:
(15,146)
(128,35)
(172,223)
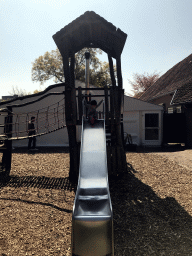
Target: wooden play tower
(92,31)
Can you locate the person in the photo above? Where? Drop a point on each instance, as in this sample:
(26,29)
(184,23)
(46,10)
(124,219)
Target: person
(92,112)
(31,131)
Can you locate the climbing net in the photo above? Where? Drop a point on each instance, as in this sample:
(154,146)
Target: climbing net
(48,119)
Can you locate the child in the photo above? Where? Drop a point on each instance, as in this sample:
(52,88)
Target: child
(92,113)
(31,131)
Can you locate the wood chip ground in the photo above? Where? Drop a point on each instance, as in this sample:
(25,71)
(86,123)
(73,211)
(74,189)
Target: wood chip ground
(152,205)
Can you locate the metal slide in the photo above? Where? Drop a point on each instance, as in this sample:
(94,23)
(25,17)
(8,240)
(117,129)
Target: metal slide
(92,220)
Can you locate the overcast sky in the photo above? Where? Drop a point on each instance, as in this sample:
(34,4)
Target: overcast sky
(159,34)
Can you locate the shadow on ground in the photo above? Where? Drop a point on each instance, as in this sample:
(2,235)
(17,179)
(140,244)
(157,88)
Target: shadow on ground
(40,182)
(41,150)
(164,148)
(145,224)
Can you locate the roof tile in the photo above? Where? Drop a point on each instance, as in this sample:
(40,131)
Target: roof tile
(173,79)
(183,95)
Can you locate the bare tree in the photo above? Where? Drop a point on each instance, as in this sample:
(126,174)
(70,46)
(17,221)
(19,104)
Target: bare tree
(15,91)
(141,82)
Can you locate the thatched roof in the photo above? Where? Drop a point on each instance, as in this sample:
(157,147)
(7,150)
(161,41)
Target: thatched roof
(90,30)
(173,79)
(183,95)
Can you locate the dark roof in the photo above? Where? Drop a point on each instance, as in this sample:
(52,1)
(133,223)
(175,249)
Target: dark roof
(173,79)
(33,95)
(90,30)
(42,93)
(183,95)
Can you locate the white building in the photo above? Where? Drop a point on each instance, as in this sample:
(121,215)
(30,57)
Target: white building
(142,120)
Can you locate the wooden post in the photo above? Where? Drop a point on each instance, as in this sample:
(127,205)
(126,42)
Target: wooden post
(66,70)
(72,71)
(73,92)
(119,74)
(120,150)
(106,106)
(68,92)
(121,157)
(122,110)
(109,159)
(89,97)
(111,71)
(113,134)
(112,106)
(80,107)
(71,116)
(7,154)
(118,107)
(73,174)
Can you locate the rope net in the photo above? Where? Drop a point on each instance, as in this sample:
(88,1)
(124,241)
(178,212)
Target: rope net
(48,119)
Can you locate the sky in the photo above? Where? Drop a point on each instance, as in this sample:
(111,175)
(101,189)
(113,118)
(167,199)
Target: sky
(159,35)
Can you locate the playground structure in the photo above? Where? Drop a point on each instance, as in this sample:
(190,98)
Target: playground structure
(92,221)
(93,159)
(92,31)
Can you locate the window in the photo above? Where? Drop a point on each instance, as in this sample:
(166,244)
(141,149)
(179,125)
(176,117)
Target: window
(151,126)
(178,109)
(170,110)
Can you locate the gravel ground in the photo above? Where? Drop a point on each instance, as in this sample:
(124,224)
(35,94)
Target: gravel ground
(36,205)
(152,205)
(156,206)
(183,158)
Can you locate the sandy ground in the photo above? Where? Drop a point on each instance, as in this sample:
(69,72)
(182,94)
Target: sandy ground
(152,205)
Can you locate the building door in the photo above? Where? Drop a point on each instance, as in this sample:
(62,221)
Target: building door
(151,129)
(174,128)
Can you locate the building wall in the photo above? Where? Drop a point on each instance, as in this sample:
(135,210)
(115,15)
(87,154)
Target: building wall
(164,100)
(55,139)
(188,114)
(134,120)
(131,125)
(132,104)
(134,124)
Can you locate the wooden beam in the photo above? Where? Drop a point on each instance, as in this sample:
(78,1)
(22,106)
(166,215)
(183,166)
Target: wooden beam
(66,70)
(112,107)
(7,154)
(93,89)
(119,74)
(71,115)
(70,92)
(106,106)
(113,80)
(72,71)
(80,107)
(73,147)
